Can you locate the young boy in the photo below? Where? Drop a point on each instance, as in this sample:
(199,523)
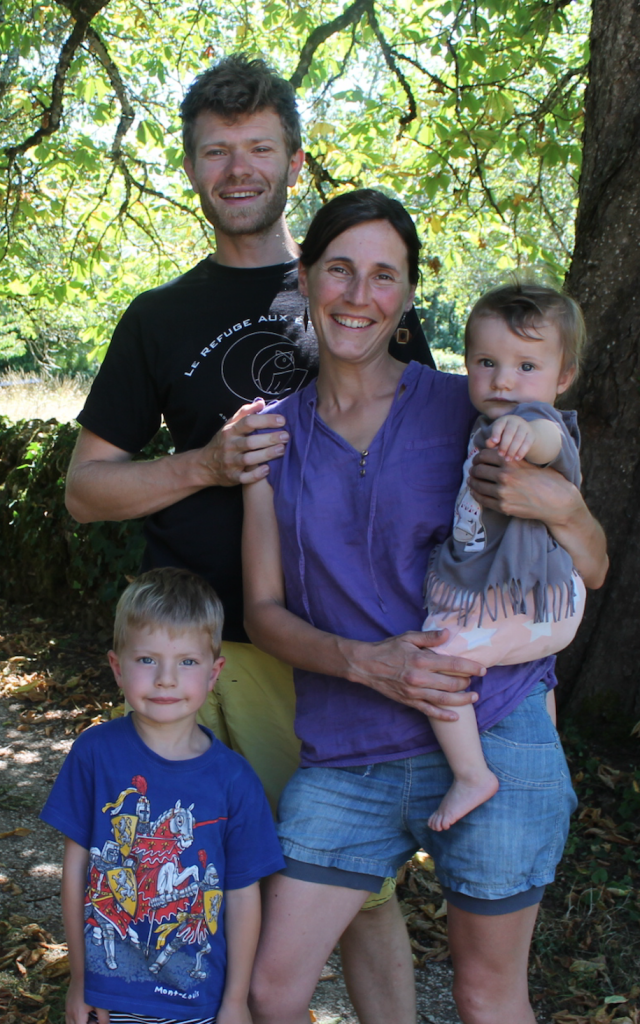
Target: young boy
(167,832)
(502,586)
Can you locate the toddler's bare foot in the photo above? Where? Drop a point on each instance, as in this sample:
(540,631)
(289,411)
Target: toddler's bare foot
(461,798)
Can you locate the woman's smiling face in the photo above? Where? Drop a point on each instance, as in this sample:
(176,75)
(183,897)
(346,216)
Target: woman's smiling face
(358,291)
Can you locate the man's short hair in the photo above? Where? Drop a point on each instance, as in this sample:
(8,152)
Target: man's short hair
(240,85)
(172,599)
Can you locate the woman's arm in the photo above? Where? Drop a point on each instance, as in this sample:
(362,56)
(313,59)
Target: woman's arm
(531,492)
(242,928)
(401,667)
(74,881)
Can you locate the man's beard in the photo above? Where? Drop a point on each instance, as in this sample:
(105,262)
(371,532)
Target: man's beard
(244,221)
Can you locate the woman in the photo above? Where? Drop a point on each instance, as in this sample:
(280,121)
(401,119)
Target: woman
(337,540)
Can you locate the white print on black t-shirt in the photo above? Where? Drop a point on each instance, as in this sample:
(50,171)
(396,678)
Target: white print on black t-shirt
(270,318)
(274,373)
(261,364)
(214,344)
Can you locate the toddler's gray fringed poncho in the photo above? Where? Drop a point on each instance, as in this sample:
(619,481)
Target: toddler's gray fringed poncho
(504,559)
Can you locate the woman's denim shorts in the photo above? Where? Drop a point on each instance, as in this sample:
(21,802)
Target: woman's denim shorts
(370,819)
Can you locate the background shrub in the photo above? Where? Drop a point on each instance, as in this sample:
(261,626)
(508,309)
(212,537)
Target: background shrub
(49,560)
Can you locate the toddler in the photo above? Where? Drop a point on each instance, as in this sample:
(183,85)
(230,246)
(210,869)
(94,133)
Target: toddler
(502,586)
(167,832)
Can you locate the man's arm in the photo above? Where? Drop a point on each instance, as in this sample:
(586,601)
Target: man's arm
(402,668)
(74,880)
(531,492)
(103,483)
(242,928)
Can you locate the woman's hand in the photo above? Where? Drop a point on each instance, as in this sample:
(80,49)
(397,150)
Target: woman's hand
(532,492)
(404,669)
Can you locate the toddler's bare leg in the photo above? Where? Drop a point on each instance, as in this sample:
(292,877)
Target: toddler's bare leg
(474,783)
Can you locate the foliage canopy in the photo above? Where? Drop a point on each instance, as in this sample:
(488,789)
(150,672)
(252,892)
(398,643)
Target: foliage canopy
(470,112)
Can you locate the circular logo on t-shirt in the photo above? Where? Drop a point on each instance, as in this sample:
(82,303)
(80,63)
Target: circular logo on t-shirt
(256,367)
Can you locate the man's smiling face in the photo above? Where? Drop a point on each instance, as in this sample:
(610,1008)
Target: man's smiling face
(241,170)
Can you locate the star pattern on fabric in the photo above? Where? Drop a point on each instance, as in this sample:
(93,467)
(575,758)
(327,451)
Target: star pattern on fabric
(538,629)
(477,637)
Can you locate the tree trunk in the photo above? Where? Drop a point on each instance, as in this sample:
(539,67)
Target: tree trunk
(599,673)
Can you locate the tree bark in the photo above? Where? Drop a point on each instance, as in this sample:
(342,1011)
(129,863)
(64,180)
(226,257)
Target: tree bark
(599,673)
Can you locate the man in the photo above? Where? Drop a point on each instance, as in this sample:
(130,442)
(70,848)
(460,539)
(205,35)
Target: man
(195,352)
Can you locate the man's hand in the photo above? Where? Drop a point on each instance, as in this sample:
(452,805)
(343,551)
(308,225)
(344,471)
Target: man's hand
(236,454)
(404,669)
(512,437)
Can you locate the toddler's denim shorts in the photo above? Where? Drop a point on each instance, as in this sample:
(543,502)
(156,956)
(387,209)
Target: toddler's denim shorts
(370,819)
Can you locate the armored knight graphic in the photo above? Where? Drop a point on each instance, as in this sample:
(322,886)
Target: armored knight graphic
(111,900)
(196,925)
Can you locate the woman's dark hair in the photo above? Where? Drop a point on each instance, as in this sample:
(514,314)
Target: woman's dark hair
(359,207)
(235,86)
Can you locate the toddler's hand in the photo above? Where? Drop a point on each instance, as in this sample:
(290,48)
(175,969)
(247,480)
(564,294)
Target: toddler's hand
(512,436)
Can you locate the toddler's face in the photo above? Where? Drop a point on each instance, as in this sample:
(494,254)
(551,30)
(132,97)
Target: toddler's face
(505,369)
(164,674)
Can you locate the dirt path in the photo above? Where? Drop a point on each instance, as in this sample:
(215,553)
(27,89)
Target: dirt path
(54,681)
(54,684)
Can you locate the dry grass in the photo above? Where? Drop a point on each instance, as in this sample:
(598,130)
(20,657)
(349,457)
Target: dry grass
(24,397)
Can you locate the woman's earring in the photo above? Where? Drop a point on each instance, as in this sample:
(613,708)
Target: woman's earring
(403,334)
(305,318)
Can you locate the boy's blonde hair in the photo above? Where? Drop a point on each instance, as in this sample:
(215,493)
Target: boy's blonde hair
(523,305)
(172,599)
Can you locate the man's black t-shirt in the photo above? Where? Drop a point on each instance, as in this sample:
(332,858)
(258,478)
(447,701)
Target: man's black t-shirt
(193,351)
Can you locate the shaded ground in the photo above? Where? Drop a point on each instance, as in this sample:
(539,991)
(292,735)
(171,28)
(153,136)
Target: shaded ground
(585,968)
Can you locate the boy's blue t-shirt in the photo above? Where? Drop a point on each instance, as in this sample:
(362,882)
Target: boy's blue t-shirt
(166,839)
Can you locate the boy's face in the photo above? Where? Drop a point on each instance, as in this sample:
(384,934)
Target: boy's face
(505,369)
(165,675)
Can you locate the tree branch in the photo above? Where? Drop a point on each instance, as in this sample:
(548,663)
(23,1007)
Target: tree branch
(320,175)
(82,11)
(479,168)
(440,86)
(98,47)
(350,16)
(387,53)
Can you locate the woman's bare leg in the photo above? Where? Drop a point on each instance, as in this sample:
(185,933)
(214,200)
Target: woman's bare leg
(378,966)
(490,959)
(302,922)
(473,781)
